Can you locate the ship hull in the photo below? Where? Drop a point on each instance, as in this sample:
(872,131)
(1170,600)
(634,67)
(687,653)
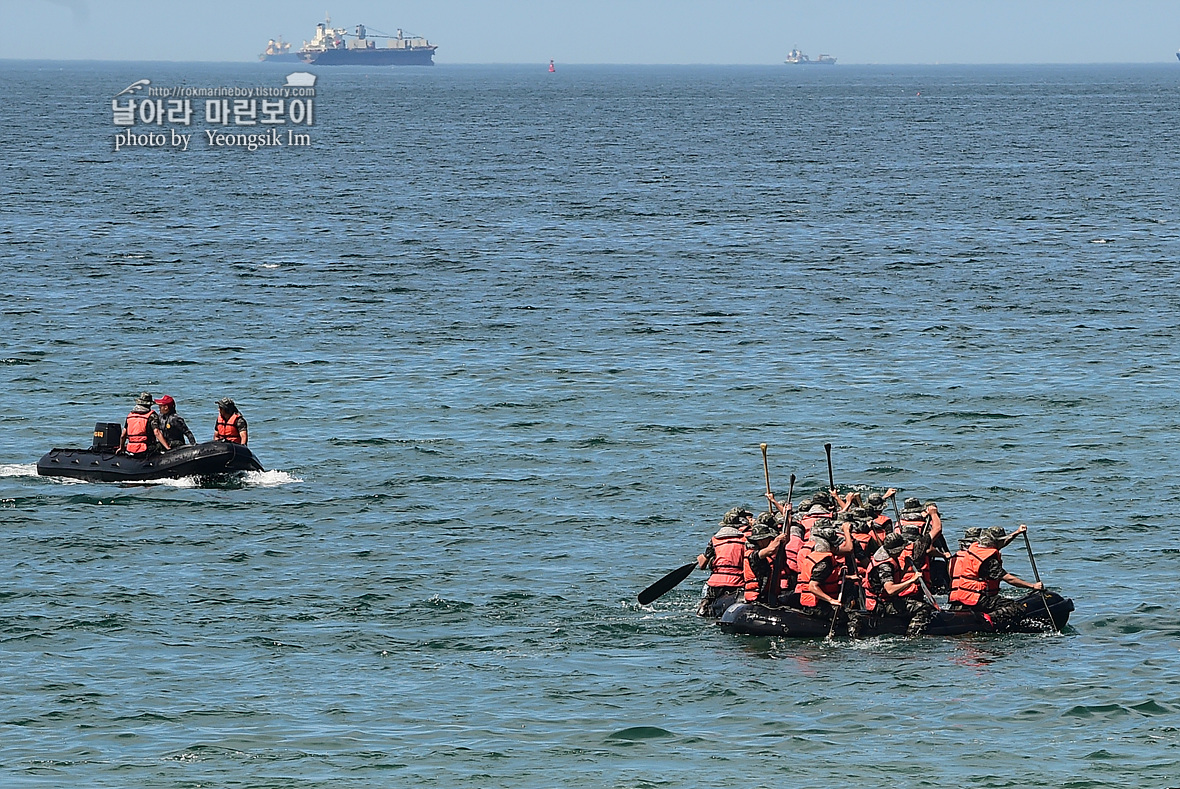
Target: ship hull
(422,56)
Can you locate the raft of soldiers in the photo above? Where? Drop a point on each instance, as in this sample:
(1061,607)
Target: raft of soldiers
(842,566)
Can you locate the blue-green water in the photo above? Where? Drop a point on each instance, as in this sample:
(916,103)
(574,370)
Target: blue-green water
(508,342)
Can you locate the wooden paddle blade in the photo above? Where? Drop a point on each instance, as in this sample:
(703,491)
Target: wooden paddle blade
(666,584)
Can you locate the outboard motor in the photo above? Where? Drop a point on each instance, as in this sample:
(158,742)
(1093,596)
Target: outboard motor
(106,436)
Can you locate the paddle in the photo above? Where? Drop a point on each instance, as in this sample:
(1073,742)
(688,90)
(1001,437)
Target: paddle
(831,478)
(766,471)
(1037,575)
(666,584)
(776,563)
(839,601)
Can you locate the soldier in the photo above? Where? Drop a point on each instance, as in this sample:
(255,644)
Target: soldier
(762,566)
(978,572)
(172,424)
(231,425)
(141,430)
(821,569)
(724,558)
(888,590)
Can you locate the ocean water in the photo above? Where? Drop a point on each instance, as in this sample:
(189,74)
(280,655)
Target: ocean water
(508,342)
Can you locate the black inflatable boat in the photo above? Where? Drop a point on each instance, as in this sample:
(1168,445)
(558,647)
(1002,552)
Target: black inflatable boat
(101,462)
(756,619)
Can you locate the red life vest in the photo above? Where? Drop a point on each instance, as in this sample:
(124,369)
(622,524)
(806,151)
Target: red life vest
(830,585)
(227,430)
(729,556)
(870,595)
(138,439)
(967,586)
(883,523)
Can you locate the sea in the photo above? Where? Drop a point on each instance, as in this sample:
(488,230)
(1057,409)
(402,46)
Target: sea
(508,342)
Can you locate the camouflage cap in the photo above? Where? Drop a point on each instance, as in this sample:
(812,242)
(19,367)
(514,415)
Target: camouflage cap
(987,539)
(763,531)
(893,544)
(828,535)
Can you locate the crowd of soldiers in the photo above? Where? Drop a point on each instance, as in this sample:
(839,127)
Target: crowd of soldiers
(844,553)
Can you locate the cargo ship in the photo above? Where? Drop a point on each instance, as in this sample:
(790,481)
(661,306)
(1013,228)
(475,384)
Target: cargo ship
(279,51)
(335,46)
(797,58)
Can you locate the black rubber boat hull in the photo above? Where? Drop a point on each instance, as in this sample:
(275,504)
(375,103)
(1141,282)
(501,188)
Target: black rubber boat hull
(755,619)
(211,459)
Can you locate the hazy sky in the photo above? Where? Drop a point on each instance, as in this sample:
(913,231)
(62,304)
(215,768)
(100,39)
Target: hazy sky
(615,31)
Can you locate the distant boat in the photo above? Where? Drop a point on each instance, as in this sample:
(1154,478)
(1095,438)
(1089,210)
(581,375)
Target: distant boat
(279,50)
(335,46)
(797,58)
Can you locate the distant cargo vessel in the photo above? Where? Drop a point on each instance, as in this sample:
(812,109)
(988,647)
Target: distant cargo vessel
(334,46)
(279,51)
(797,58)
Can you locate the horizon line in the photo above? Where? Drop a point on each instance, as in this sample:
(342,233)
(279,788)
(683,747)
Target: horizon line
(608,63)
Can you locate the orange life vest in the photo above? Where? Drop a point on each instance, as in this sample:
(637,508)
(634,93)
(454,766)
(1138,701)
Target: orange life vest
(871,596)
(227,430)
(790,570)
(811,521)
(800,560)
(750,579)
(138,440)
(918,523)
(729,556)
(830,585)
(864,539)
(883,524)
(922,565)
(867,548)
(967,586)
(792,548)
